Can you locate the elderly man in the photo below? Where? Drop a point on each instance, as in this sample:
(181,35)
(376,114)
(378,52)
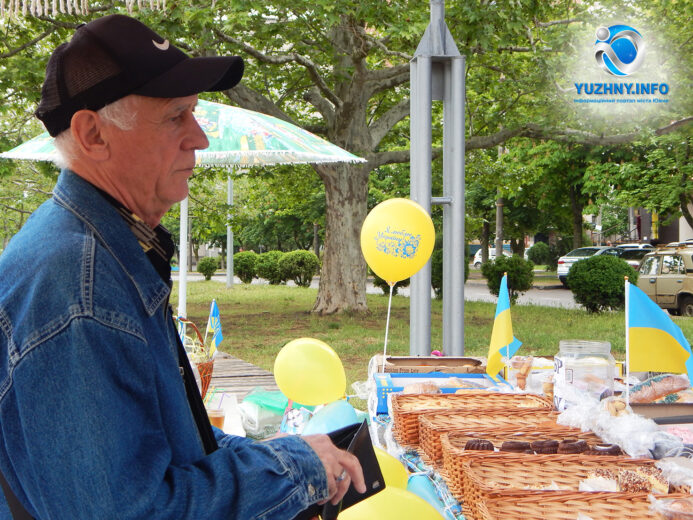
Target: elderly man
(100,416)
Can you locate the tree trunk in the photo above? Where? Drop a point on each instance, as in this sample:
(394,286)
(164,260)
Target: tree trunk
(499,226)
(485,236)
(577,217)
(343,275)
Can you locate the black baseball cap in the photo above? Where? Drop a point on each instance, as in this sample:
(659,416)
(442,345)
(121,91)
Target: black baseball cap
(115,56)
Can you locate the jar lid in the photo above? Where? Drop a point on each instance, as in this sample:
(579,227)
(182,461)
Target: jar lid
(580,346)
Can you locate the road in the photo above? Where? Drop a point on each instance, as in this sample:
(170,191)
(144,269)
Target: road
(474,290)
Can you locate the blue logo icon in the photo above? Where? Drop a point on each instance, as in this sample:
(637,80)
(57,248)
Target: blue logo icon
(619,49)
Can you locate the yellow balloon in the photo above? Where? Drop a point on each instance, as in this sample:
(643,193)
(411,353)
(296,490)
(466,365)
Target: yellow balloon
(309,372)
(397,239)
(394,472)
(392,503)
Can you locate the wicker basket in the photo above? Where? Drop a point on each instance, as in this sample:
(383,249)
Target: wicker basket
(406,408)
(454,452)
(433,424)
(503,476)
(567,506)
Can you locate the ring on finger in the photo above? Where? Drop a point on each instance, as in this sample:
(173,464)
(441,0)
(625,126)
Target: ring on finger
(341,476)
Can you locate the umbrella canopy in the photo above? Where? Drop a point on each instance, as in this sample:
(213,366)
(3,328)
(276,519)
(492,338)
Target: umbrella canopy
(237,137)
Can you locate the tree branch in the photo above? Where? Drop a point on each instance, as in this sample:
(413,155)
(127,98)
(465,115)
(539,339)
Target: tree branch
(512,48)
(322,105)
(389,119)
(532,131)
(27,44)
(251,99)
(377,43)
(537,23)
(311,67)
(378,82)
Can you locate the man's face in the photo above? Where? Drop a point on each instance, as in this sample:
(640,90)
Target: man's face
(154,160)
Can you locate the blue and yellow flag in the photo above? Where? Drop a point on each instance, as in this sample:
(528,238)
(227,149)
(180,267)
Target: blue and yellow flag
(655,342)
(214,328)
(503,343)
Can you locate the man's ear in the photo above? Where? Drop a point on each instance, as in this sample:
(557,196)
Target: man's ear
(87,131)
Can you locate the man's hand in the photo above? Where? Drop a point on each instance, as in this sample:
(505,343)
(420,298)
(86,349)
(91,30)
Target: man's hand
(342,467)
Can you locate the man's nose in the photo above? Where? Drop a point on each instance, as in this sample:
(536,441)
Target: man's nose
(197,139)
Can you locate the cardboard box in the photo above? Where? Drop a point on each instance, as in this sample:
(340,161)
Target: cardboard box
(661,410)
(387,383)
(427,364)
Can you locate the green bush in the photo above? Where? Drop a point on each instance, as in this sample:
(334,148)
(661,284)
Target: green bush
(520,275)
(208,266)
(299,266)
(437,270)
(557,250)
(244,265)
(267,267)
(598,282)
(385,287)
(539,253)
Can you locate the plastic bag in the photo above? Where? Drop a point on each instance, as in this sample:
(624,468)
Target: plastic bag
(262,411)
(275,402)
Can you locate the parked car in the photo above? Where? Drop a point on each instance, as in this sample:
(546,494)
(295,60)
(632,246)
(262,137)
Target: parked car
(635,245)
(666,276)
(491,255)
(566,262)
(633,257)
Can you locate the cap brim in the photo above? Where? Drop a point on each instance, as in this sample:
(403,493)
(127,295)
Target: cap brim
(195,75)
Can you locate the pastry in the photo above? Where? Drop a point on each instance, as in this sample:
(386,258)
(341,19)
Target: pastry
(658,484)
(603,473)
(604,449)
(631,482)
(545,447)
(516,447)
(479,444)
(572,446)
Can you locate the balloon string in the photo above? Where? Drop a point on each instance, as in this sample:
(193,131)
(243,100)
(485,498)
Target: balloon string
(387,323)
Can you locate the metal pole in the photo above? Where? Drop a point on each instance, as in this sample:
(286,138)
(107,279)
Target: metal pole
(183,256)
(453,214)
(437,72)
(229,234)
(420,191)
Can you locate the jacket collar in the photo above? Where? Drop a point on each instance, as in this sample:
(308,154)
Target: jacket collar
(87,204)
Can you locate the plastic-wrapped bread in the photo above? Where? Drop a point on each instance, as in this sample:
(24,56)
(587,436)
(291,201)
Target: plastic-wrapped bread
(657,387)
(421,388)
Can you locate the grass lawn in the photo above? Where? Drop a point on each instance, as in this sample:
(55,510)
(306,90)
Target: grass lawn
(257,320)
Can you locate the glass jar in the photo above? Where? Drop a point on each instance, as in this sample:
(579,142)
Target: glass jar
(582,370)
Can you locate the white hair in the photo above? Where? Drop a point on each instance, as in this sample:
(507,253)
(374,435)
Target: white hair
(121,114)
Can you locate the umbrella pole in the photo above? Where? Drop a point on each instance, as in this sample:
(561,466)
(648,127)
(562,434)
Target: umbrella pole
(183,257)
(229,233)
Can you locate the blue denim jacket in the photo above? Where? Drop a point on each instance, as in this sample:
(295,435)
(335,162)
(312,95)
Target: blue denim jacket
(94,420)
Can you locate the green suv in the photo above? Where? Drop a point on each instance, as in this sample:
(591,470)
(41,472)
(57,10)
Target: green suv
(666,275)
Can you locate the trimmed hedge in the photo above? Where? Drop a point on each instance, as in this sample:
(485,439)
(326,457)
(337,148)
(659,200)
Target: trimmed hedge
(520,275)
(598,282)
(300,266)
(385,287)
(539,253)
(244,265)
(267,267)
(207,266)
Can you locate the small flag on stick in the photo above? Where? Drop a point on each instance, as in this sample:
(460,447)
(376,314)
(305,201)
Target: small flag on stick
(214,328)
(502,340)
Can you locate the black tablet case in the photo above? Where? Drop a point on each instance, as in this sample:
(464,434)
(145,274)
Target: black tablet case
(355,439)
